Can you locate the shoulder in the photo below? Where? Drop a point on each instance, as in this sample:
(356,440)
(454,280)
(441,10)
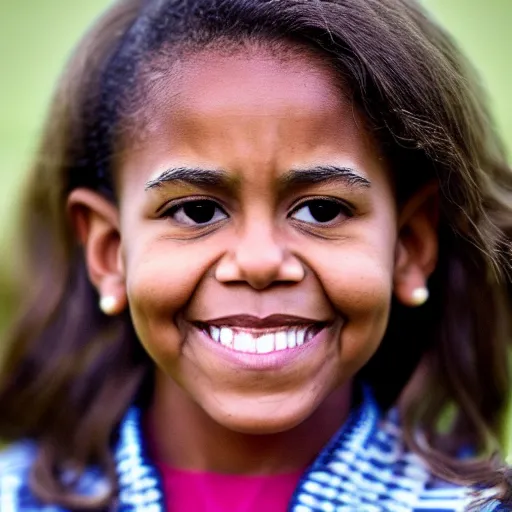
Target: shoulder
(369,468)
(15,496)
(411,483)
(15,463)
(16,456)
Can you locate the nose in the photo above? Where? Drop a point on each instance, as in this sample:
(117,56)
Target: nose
(259,259)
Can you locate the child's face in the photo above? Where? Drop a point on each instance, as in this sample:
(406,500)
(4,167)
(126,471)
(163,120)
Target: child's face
(282,223)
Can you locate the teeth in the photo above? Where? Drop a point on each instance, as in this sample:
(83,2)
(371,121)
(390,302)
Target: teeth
(243,341)
(265,343)
(281,340)
(226,336)
(292,339)
(215,334)
(310,334)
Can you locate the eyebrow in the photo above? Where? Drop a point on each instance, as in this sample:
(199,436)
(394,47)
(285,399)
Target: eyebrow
(194,176)
(324,174)
(215,178)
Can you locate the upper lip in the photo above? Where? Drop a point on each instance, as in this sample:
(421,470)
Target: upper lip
(253,322)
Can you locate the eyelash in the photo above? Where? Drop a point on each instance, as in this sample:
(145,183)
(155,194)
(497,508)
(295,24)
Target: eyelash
(347,209)
(171,209)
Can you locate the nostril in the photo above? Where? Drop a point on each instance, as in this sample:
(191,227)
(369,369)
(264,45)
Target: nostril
(260,284)
(260,265)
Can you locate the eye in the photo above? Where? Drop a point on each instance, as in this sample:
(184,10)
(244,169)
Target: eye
(321,211)
(199,212)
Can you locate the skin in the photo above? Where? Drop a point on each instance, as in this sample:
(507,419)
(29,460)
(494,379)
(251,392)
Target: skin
(255,118)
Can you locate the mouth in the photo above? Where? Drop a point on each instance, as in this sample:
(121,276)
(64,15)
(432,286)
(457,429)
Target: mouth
(261,336)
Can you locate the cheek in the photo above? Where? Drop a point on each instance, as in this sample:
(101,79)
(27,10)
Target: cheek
(161,276)
(359,285)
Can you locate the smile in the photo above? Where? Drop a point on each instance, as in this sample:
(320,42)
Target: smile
(262,341)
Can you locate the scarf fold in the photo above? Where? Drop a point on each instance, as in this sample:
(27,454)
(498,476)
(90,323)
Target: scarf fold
(366,467)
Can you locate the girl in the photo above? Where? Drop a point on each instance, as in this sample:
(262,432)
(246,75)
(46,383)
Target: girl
(267,254)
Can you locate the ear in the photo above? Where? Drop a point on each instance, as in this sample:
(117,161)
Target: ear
(96,223)
(417,247)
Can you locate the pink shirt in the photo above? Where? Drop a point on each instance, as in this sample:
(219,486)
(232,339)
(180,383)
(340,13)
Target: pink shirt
(187,491)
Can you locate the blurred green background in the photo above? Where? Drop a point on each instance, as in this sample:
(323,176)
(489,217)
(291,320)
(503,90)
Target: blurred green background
(36,37)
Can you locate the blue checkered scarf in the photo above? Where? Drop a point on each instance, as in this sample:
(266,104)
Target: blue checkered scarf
(365,468)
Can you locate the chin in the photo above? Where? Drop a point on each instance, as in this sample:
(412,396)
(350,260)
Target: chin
(255,421)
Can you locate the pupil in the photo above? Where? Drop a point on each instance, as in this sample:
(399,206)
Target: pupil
(200,211)
(324,211)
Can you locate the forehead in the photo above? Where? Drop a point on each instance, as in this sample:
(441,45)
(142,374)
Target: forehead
(267,77)
(252,74)
(251,106)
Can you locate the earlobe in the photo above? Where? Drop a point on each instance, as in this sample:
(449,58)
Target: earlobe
(417,247)
(96,223)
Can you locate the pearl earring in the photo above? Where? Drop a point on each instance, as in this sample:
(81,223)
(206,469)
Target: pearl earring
(109,305)
(419,296)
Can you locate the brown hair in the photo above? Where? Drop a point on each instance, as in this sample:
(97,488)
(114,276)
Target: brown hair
(70,372)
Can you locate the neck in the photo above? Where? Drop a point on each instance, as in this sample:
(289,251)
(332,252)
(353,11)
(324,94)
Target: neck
(183,436)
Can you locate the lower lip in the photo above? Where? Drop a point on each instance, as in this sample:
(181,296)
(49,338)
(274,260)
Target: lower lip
(269,361)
